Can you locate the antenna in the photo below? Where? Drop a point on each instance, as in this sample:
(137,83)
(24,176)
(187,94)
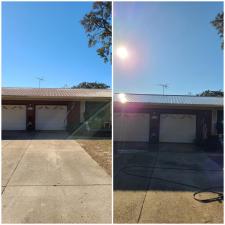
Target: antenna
(65,86)
(163,87)
(39,81)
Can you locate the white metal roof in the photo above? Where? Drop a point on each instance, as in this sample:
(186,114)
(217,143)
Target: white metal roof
(168,99)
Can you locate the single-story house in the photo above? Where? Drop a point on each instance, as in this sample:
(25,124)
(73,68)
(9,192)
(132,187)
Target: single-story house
(55,108)
(166,118)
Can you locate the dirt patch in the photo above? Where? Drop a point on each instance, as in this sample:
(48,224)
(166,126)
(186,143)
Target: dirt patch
(100,151)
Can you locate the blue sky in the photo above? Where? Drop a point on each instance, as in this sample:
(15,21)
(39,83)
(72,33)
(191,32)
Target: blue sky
(46,39)
(170,43)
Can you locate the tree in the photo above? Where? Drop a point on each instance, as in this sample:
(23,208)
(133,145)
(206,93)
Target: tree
(97,25)
(91,85)
(218,24)
(211,93)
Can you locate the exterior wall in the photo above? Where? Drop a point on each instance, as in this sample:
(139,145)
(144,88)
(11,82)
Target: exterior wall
(220,122)
(30,124)
(73,115)
(203,117)
(154,128)
(214,122)
(82,111)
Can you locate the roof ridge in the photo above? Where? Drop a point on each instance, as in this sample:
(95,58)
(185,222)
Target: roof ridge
(170,95)
(108,89)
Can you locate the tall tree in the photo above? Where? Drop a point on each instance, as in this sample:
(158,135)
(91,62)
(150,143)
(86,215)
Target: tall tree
(218,24)
(211,93)
(97,25)
(91,85)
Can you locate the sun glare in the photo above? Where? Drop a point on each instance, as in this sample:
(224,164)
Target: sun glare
(122,52)
(122,98)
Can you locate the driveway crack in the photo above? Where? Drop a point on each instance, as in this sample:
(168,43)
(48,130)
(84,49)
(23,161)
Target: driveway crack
(148,185)
(16,166)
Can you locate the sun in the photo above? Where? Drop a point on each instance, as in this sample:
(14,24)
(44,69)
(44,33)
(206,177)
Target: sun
(122,52)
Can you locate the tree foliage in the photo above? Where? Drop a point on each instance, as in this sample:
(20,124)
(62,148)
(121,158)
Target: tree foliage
(91,85)
(218,24)
(211,93)
(97,25)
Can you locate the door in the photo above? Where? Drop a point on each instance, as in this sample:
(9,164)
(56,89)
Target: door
(131,127)
(51,117)
(177,128)
(13,117)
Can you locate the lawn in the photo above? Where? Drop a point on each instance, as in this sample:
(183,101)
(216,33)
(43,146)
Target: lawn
(101,151)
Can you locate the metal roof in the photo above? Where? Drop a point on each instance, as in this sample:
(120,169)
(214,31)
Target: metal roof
(56,92)
(168,99)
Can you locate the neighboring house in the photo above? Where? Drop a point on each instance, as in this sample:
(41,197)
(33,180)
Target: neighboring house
(55,109)
(166,118)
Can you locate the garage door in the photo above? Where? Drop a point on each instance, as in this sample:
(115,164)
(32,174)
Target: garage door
(51,117)
(13,117)
(131,127)
(177,128)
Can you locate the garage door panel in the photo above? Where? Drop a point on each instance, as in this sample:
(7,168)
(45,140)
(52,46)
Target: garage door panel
(13,117)
(177,128)
(51,117)
(131,127)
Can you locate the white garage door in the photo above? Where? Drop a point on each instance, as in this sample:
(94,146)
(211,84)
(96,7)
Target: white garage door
(13,117)
(131,127)
(51,117)
(177,128)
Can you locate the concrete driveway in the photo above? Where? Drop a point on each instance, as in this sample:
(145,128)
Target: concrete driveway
(52,181)
(156,184)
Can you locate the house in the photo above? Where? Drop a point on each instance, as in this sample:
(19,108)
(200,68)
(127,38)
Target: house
(166,118)
(55,109)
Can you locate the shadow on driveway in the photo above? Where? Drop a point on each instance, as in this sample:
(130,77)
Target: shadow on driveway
(45,135)
(161,179)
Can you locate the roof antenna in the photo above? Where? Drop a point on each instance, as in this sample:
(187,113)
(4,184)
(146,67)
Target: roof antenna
(65,86)
(39,81)
(164,86)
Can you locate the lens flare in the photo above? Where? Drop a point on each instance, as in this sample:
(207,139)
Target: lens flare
(122,52)
(122,98)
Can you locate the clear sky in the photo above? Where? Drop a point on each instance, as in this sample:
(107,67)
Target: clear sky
(167,42)
(46,39)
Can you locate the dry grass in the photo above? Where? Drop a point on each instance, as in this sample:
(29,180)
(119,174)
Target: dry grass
(100,151)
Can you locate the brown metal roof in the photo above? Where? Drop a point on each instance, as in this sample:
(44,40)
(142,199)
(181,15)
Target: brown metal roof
(55,93)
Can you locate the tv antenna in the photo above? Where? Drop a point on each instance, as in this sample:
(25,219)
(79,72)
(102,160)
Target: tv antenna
(164,86)
(39,81)
(65,86)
